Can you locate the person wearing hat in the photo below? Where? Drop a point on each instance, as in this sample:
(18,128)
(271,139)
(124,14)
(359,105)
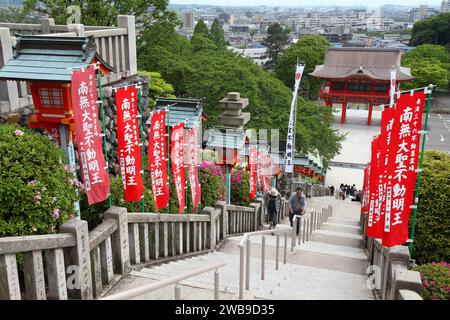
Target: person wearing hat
(273,204)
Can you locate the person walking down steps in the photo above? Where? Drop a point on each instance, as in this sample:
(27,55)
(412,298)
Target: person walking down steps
(297,204)
(273,204)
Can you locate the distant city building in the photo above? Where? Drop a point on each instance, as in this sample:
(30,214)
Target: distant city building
(421,13)
(240,28)
(445,6)
(337,37)
(258,55)
(226,18)
(264,25)
(188,21)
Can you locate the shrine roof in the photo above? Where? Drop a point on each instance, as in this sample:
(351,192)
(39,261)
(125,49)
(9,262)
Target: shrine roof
(225,137)
(361,62)
(50,58)
(184,109)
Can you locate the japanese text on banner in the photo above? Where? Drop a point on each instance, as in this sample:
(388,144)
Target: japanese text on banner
(89,140)
(129,149)
(157,158)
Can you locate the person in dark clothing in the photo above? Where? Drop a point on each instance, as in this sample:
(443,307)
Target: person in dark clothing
(297,204)
(332,190)
(342,191)
(273,204)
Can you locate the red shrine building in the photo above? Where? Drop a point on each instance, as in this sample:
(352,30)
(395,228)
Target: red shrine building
(359,75)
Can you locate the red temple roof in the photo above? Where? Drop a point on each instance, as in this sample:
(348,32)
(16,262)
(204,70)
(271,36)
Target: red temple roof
(373,63)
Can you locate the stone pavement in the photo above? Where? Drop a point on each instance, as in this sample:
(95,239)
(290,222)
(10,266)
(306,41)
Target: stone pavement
(330,266)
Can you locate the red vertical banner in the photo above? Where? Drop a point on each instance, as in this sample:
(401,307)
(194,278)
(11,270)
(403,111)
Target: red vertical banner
(364,188)
(260,170)
(177,161)
(192,166)
(129,149)
(384,141)
(387,125)
(253,158)
(402,166)
(157,157)
(88,135)
(373,194)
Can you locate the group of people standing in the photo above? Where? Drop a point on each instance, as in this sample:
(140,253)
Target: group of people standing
(346,190)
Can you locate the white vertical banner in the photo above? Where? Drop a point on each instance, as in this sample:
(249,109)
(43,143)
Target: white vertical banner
(288,163)
(392,88)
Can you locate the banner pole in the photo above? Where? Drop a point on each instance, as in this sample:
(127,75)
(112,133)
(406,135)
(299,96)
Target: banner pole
(419,178)
(186,169)
(168,155)
(141,129)
(100,95)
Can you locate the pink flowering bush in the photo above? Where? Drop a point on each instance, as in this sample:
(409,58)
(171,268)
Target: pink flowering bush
(37,191)
(240,187)
(435,280)
(212,183)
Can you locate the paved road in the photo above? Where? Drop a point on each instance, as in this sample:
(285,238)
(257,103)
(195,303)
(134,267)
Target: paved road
(438,137)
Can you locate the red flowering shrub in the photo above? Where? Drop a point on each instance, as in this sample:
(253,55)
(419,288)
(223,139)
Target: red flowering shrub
(435,280)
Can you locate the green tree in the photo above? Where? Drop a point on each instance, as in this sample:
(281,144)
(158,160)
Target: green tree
(429,64)
(277,38)
(217,35)
(210,75)
(201,29)
(435,30)
(17,14)
(105,12)
(310,49)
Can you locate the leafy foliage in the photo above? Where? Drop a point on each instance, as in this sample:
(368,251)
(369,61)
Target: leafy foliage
(104,12)
(201,29)
(211,74)
(216,34)
(37,190)
(432,231)
(435,281)
(157,86)
(310,49)
(430,64)
(17,14)
(277,38)
(435,30)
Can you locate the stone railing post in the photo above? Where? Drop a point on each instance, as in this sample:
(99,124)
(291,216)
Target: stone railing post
(129,23)
(8,89)
(223,206)
(211,212)
(119,239)
(77,28)
(257,208)
(46,24)
(405,279)
(79,287)
(397,257)
(261,212)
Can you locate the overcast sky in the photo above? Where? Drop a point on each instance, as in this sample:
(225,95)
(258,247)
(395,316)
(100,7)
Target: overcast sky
(308,3)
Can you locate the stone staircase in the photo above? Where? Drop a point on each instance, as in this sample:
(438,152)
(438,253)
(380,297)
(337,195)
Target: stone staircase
(330,266)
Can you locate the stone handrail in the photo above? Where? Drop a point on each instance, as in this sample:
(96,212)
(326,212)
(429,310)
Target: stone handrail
(389,269)
(82,265)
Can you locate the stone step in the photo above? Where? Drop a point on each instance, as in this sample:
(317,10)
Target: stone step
(299,282)
(340,228)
